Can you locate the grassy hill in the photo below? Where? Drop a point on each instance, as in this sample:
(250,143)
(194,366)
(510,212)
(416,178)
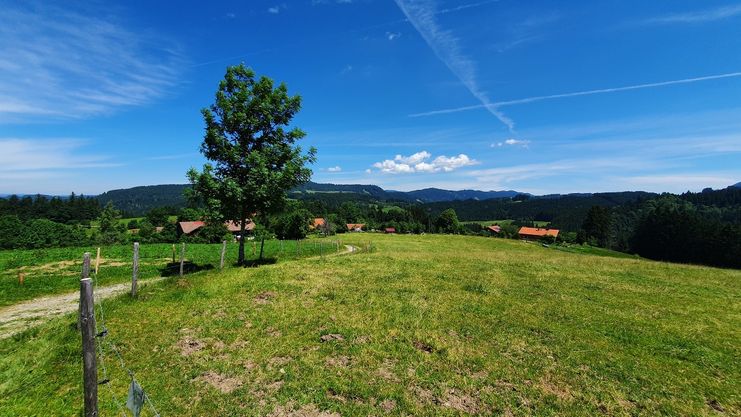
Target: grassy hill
(424,325)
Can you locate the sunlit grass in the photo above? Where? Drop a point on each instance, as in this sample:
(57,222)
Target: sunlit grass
(427,325)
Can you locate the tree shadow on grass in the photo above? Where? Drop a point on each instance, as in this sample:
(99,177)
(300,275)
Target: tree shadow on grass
(173,268)
(252,263)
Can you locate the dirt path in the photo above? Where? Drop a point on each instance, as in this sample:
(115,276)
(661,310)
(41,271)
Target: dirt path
(18,317)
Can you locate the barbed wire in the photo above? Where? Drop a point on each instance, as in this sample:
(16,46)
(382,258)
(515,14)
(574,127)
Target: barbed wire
(104,336)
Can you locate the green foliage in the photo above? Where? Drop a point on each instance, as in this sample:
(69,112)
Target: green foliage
(72,210)
(38,233)
(132,224)
(292,225)
(158,216)
(597,225)
(447,221)
(254,157)
(110,228)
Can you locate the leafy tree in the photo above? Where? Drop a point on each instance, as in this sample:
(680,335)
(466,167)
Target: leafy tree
(447,222)
(255,160)
(133,224)
(111,229)
(146,230)
(292,225)
(158,216)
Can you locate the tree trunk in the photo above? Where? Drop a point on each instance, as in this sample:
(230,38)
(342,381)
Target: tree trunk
(242,225)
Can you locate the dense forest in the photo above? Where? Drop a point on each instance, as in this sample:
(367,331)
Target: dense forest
(70,210)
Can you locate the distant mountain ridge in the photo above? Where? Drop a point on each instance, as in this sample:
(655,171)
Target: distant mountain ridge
(138,200)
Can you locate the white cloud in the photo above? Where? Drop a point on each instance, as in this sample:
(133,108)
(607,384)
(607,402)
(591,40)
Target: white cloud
(421,14)
(701,16)
(334,169)
(368,171)
(392,35)
(346,69)
(418,162)
(276,9)
(511,142)
(61,63)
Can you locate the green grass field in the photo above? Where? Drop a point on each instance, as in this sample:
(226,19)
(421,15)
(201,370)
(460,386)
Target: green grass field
(57,270)
(423,325)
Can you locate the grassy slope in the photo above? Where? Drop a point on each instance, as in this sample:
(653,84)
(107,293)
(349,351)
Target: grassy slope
(510,327)
(57,270)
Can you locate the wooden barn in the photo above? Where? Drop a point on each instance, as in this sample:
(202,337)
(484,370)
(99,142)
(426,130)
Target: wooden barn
(536,233)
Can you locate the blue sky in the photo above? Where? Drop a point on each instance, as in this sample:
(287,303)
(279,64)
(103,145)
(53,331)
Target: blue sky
(540,96)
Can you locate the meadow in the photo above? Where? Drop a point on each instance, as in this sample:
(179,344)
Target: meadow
(57,270)
(422,325)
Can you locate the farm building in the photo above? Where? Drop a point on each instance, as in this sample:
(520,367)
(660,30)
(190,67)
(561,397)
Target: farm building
(192,228)
(390,230)
(355,227)
(318,223)
(495,229)
(536,233)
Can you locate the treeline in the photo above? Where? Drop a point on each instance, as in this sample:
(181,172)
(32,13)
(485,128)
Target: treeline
(702,228)
(71,210)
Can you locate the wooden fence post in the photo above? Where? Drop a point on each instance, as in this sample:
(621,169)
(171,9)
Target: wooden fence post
(21,278)
(173,253)
(223,252)
(97,262)
(182,259)
(87,326)
(135,269)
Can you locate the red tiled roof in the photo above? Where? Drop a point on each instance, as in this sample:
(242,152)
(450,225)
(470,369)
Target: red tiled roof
(319,222)
(537,231)
(390,230)
(190,227)
(355,226)
(235,226)
(494,228)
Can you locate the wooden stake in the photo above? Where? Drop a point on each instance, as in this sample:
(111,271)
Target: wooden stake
(135,269)
(254,249)
(21,278)
(173,253)
(182,259)
(223,252)
(97,262)
(87,326)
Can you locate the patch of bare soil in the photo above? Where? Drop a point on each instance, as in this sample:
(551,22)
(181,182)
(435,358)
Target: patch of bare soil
(278,361)
(222,383)
(386,371)
(308,410)
(361,340)
(273,332)
(561,391)
(338,361)
(423,395)
(264,297)
(461,402)
(388,405)
(189,345)
(423,346)
(332,336)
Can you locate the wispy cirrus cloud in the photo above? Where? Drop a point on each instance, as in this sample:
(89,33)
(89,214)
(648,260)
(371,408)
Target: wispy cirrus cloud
(26,156)
(422,15)
(700,16)
(578,94)
(511,142)
(59,63)
(420,162)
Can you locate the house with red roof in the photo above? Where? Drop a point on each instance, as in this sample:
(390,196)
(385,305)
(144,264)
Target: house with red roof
(536,233)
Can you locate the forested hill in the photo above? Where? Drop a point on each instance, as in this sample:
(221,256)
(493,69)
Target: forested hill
(562,211)
(138,200)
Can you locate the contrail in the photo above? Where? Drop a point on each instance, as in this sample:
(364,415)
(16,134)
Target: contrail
(421,15)
(579,93)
